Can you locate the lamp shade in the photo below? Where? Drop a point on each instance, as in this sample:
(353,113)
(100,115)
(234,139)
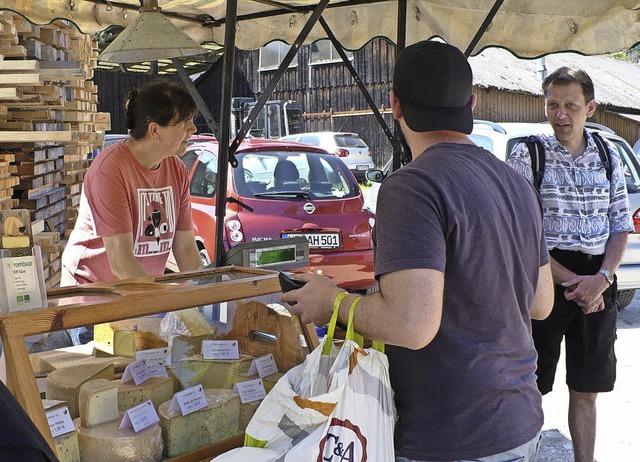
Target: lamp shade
(149,38)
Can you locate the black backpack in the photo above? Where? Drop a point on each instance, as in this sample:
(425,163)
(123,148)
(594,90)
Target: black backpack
(537,153)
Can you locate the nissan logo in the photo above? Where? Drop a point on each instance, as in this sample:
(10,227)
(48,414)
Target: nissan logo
(309,208)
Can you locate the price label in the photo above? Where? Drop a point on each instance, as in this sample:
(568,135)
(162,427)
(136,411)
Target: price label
(154,356)
(140,417)
(60,421)
(263,366)
(189,400)
(136,371)
(251,390)
(220,349)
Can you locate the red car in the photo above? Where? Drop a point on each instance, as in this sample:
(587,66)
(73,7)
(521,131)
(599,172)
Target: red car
(293,189)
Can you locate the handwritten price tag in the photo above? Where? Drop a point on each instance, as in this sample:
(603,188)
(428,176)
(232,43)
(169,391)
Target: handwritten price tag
(140,417)
(60,421)
(136,371)
(251,390)
(263,366)
(189,400)
(220,349)
(154,356)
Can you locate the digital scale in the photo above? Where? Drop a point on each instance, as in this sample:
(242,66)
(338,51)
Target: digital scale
(270,254)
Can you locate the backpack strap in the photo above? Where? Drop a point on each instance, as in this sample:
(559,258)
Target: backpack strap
(537,154)
(605,155)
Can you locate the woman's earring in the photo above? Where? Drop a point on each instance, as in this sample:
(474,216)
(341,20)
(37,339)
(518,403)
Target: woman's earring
(157,140)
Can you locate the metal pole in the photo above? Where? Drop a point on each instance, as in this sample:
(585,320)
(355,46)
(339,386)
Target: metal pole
(279,73)
(400,44)
(225,128)
(356,77)
(197,97)
(483,27)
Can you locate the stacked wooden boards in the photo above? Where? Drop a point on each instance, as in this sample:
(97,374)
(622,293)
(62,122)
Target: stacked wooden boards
(49,127)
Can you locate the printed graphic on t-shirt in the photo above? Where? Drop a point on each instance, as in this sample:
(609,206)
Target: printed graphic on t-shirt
(156,222)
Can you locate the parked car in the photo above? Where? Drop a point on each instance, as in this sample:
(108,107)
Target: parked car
(636,148)
(286,189)
(349,147)
(500,138)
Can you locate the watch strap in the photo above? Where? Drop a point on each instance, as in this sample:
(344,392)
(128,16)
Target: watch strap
(607,274)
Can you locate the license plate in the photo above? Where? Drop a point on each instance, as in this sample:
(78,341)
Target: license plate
(362,167)
(319,240)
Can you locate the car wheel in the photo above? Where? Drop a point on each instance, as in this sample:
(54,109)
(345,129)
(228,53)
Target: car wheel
(625,297)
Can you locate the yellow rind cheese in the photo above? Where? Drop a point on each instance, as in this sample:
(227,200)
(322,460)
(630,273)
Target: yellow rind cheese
(212,373)
(156,389)
(106,443)
(98,402)
(64,384)
(217,422)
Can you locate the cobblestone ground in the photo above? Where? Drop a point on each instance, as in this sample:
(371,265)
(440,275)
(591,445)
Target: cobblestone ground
(618,434)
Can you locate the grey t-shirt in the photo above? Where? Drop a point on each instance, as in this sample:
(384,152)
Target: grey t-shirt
(472,391)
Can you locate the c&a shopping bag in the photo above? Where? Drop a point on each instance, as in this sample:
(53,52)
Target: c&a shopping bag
(336,406)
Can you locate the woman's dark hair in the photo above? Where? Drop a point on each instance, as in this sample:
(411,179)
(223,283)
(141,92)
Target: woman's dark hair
(160,101)
(566,76)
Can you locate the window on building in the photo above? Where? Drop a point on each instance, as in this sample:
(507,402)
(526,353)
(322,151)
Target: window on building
(272,55)
(323,51)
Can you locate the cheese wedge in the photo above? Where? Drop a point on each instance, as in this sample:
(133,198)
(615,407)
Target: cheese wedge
(98,402)
(211,373)
(124,338)
(156,389)
(217,422)
(67,447)
(106,443)
(64,384)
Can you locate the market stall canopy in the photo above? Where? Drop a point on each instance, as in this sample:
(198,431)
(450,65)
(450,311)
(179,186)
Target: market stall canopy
(528,28)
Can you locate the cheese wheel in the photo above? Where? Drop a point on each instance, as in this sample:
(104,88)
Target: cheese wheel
(210,373)
(67,447)
(217,422)
(106,443)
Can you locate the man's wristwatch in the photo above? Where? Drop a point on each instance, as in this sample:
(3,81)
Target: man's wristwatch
(608,275)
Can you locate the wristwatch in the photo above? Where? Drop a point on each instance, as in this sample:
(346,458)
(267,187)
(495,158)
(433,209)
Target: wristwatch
(608,275)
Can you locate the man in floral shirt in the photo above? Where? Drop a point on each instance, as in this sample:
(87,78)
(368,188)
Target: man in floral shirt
(586,223)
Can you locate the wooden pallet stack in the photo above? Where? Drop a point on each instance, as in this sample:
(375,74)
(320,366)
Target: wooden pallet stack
(48,122)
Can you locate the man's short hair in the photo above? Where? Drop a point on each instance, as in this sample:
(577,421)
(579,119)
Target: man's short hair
(433,81)
(568,75)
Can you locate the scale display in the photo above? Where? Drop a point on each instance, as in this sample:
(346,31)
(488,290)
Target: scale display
(272,254)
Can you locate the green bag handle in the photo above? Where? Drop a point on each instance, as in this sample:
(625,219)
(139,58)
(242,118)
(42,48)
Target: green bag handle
(351,333)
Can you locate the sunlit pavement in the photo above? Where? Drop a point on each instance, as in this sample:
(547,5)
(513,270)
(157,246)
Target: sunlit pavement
(618,432)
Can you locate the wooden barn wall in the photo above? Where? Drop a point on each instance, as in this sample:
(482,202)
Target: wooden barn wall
(112,91)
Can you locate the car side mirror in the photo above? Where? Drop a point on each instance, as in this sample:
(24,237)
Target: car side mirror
(375,175)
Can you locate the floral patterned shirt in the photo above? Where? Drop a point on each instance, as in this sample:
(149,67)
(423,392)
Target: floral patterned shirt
(581,207)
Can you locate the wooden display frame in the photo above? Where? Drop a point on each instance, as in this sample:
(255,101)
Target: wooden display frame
(107,302)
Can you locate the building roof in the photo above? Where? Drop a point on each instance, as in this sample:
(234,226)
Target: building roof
(617,83)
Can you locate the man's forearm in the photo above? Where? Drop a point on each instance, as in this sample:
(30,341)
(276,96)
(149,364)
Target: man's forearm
(616,245)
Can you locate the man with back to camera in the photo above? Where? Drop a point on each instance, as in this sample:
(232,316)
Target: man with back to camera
(586,223)
(462,267)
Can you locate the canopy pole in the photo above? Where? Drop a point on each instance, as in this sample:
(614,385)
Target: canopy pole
(284,65)
(197,97)
(483,28)
(356,77)
(225,126)
(401,42)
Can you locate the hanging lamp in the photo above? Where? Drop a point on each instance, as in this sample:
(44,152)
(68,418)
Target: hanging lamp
(151,37)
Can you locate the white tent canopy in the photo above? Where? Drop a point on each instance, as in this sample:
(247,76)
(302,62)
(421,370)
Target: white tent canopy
(528,28)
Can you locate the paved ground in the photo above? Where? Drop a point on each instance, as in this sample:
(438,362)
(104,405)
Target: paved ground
(618,432)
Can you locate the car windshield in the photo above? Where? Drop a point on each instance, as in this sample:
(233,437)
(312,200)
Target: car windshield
(349,141)
(292,175)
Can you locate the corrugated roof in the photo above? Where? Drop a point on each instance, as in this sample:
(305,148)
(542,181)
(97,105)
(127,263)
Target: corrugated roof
(617,83)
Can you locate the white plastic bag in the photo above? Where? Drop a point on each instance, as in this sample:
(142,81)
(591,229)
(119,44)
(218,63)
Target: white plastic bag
(335,407)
